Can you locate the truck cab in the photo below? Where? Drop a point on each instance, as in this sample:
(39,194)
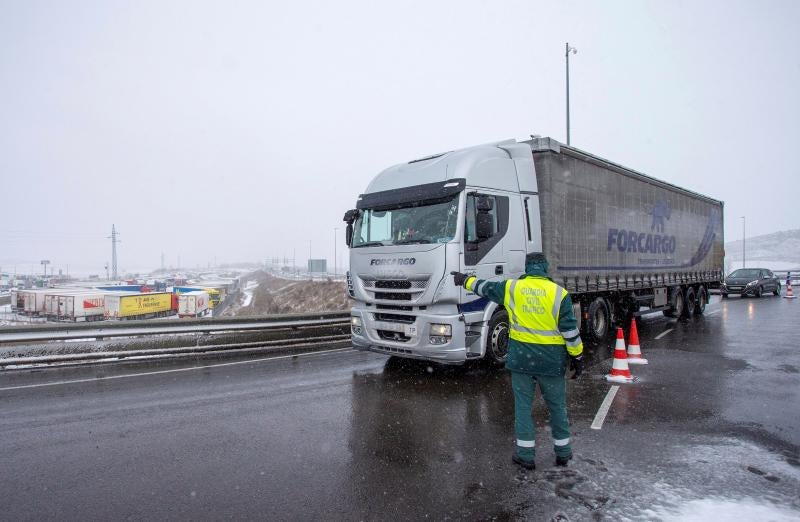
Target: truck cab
(473,210)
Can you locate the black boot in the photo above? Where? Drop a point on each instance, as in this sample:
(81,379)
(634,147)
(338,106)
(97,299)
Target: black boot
(562,461)
(527,464)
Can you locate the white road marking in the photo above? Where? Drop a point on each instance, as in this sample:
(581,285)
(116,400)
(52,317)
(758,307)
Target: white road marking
(175,370)
(597,423)
(662,334)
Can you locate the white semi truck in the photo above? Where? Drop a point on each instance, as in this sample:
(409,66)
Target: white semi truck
(621,242)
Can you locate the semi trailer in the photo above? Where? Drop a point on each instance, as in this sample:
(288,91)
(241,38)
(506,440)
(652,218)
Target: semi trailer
(126,306)
(621,242)
(77,305)
(193,304)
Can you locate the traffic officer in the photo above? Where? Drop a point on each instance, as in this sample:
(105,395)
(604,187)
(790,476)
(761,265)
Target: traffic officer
(543,336)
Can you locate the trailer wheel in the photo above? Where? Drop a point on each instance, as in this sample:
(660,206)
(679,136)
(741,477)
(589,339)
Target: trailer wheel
(691,302)
(599,321)
(676,303)
(702,300)
(497,341)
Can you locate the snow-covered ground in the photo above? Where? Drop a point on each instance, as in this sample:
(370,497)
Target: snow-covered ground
(725,509)
(247,292)
(7,317)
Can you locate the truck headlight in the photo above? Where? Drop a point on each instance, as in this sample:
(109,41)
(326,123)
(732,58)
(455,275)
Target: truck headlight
(441,333)
(355,325)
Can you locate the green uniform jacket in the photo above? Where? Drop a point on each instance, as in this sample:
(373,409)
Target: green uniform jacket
(532,358)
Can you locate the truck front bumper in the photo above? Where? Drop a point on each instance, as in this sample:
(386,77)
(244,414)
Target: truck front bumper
(411,340)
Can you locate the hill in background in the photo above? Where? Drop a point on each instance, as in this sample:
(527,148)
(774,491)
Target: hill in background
(776,251)
(265,294)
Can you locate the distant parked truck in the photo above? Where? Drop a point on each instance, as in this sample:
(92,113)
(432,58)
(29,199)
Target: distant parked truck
(33,301)
(192,304)
(138,306)
(17,300)
(214,295)
(80,306)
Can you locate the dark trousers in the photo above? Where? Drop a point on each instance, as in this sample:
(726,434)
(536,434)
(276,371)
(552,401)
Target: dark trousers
(554,393)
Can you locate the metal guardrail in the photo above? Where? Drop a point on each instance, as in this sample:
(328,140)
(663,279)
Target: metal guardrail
(234,349)
(60,332)
(229,337)
(781,274)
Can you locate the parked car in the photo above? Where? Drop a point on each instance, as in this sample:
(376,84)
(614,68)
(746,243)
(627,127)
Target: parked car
(751,281)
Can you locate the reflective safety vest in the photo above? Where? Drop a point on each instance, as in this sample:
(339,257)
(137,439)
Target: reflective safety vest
(533,305)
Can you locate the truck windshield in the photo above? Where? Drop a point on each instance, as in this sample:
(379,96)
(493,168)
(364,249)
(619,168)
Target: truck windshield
(425,222)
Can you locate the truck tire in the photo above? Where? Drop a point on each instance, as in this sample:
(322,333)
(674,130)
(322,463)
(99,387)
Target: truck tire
(598,323)
(497,340)
(702,300)
(690,298)
(676,302)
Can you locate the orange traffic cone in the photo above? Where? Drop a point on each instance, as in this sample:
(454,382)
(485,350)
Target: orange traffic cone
(789,294)
(634,350)
(619,369)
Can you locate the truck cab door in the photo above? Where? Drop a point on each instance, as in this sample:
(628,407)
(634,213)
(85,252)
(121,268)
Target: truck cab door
(487,219)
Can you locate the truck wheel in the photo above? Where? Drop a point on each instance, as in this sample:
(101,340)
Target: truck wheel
(676,303)
(702,300)
(691,302)
(497,342)
(599,321)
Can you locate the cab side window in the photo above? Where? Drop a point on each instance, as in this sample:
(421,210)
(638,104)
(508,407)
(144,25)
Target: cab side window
(486,223)
(484,201)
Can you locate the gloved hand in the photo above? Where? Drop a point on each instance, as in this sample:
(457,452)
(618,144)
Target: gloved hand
(576,365)
(459,278)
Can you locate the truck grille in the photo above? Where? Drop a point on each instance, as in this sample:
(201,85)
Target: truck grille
(402,285)
(399,308)
(395,318)
(395,289)
(392,296)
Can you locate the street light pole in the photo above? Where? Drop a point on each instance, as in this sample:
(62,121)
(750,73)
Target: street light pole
(568,50)
(743,245)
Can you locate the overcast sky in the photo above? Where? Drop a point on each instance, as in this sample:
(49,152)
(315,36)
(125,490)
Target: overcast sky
(244,130)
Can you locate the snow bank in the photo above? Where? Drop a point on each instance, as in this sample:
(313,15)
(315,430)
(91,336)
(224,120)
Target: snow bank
(724,509)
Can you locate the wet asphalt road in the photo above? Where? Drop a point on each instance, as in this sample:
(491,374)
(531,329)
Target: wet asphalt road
(356,436)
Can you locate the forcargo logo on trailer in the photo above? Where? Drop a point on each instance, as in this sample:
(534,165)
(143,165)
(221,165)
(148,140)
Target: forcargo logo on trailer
(393,261)
(632,241)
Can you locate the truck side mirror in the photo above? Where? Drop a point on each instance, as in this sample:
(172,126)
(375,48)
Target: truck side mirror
(484,226)
(484,204)
(349,217)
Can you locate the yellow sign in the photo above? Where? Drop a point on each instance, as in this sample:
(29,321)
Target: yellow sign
(144,304)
